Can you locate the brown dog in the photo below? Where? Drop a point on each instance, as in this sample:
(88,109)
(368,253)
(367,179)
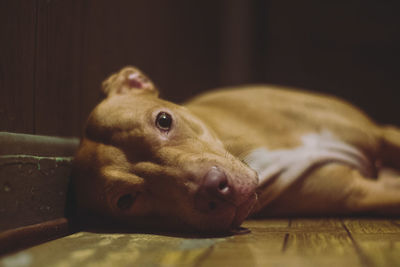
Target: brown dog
(146,161)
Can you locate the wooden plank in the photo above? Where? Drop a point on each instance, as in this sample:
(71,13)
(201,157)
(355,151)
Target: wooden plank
(17,47)
(316,225)
(320,242)
(262,247)
(321,249)
(371,226)
(272,242)
(101,249)
(58,67)
(171,42)
(122,36)
(272,224)
(378,240)
(97,249)
(354,57)
(258,249)
(190,48)
(238,31)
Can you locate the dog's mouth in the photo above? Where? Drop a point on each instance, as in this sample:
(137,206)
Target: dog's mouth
(242,212)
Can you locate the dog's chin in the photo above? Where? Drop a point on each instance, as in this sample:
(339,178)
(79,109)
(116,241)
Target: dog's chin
(243,211)
(222,223)
(228,221)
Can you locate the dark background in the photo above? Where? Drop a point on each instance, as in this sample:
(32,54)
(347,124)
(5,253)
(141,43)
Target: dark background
(55,53)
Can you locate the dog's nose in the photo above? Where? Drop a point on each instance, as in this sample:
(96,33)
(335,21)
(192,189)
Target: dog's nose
(215,191)
(216,183)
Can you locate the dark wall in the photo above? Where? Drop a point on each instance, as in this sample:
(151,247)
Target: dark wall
(55,53)
(347,48)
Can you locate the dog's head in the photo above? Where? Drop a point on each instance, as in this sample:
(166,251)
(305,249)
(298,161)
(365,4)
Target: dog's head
(146,161)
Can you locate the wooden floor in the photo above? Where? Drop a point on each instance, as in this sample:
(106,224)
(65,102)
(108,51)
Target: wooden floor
(272,242)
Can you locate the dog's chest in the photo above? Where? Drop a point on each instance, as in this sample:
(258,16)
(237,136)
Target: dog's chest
(278,169)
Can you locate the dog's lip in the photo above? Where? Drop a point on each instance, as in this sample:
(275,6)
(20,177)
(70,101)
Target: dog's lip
(243,211)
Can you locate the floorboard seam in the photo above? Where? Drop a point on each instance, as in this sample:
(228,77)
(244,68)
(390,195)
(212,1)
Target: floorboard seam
(365,261)
(286,238)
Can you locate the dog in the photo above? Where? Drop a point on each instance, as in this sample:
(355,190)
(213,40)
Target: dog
(225,155)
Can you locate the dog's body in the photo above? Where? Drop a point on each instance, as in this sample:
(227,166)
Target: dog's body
(198,166)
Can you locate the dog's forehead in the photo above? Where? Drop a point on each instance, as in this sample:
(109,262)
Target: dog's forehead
(126,112)
(132,106)
(135,111)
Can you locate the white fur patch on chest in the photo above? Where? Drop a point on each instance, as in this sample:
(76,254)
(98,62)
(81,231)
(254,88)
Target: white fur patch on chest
(278,169)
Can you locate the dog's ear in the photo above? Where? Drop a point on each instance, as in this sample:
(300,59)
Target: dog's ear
(128,79)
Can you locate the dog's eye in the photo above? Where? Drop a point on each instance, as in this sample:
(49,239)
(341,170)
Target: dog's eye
(164,121)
